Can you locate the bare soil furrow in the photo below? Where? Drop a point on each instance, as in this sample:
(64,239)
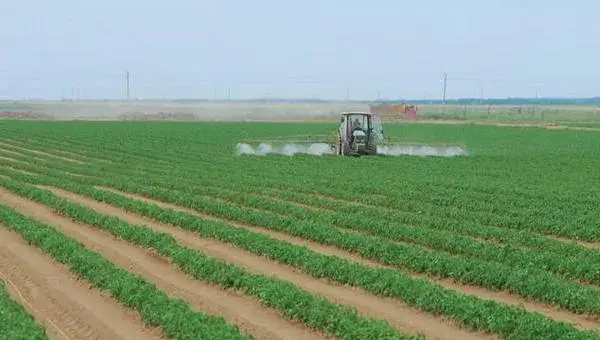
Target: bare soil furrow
(68,307)
(19,170)
(301,205)
(341,200)
(43,153)
(8,159)
(404,317)
(28,157)
(580,321)
(590,245)
(252,317)
(275,234)
(75,174)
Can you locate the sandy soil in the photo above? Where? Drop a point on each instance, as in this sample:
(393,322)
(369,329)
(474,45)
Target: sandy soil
(237,308)
(8,159)
(247,313)
(404,317)
(532,306)
(590,245)
(39,153)
(67,307)
(18,170)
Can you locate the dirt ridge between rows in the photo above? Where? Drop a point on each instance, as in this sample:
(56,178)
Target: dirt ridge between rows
(580,321)
(42,153)
(585,244)
(11,142)
(18,170)
(8,159)
(405,318)
(252,317)
(68,307)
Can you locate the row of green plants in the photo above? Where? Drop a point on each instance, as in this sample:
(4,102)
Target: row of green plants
(499,209)
(345,215)
(582,264)
(15,321)
(509,321)
(156,308)
(421,215)
(528,282)
(293,302)
(481,189)
(421,195)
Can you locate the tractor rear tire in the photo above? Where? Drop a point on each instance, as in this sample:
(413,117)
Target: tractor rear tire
(345,149)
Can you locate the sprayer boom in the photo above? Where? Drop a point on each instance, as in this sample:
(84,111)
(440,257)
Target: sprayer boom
(359,134)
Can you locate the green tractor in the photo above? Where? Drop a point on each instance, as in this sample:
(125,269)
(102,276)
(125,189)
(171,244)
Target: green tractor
(359,134)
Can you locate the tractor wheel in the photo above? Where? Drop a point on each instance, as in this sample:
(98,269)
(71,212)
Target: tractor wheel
(345,149)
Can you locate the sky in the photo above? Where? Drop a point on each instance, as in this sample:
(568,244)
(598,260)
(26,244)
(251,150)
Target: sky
(333,49)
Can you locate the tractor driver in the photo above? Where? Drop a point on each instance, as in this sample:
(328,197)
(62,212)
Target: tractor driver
(356,124)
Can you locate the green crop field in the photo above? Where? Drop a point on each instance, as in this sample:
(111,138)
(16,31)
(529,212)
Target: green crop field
(189,240)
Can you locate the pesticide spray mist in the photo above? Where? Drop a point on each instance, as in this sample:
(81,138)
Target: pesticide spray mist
(320,149)
(422,150)
(263,149)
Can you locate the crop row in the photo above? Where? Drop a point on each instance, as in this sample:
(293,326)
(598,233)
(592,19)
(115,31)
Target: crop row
(483,192)
(413,212)
(526,282)
(387,224)
(431,231)
(547,288)
(293,302)
(39,151)
(15,321)
(438,192)
(395,222)
(155,307)
(507,257)
(470,311)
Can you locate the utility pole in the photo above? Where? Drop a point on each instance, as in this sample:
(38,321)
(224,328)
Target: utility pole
(481,95)
(445,82)
(535,103)
(127,84)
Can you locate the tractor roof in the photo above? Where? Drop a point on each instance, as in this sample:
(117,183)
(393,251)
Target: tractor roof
(358,113)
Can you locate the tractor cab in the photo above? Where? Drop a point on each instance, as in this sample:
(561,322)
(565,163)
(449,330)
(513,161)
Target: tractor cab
(359,133)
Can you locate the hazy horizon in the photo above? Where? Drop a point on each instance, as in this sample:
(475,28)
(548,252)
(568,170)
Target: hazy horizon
(310,49)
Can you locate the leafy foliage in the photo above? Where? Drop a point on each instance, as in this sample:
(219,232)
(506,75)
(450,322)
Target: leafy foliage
(15,321)
(284,296)
(482,220)
(155,307)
